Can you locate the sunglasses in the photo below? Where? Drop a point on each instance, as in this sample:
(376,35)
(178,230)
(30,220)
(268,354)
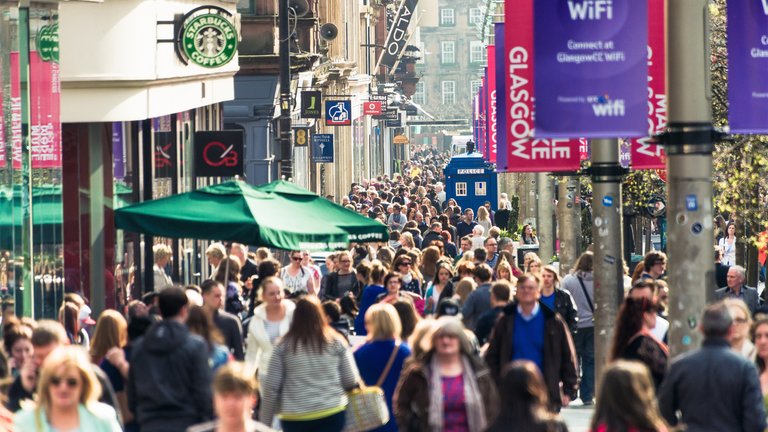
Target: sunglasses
(70,382)
(296,258)
(405,263)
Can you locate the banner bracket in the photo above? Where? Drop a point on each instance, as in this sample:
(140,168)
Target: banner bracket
(690,138)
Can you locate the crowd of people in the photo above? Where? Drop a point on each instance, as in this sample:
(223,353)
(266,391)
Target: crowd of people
(457,334)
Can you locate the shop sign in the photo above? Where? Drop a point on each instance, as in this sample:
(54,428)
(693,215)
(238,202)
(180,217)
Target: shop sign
(219,153)
(338,113)
(48,42)
(322,148)
(400,140)
(301,137)
(310,104)
(372,108)
(207,37)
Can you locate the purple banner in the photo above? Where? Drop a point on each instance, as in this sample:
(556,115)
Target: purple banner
(481,119)
(591,72)
(748,66)
(501,118)
(118,151)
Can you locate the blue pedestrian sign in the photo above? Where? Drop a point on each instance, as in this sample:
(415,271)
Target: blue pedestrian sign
(338,113)
(691,203)
(322,148)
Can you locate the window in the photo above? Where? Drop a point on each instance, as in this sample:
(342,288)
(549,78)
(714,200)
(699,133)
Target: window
(475,15)
(461,188)
(477,52)
(475,86)
(419,96)
(245,6)
(447,17)
(479,189)
(422,53)
(448,52)
(449,92)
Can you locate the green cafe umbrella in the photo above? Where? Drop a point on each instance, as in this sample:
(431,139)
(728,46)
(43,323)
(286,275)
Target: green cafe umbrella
(278,214)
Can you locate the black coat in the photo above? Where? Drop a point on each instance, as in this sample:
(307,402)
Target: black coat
(566,307)
(715,389)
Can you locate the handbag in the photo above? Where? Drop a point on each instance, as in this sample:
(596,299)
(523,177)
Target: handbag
(367,408)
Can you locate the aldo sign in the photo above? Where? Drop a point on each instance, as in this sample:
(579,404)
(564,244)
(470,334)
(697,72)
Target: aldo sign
(207,37)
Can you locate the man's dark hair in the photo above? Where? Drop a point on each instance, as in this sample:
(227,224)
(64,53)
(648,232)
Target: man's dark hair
(483,272)
(149,298)
(480,254)
(436,225)
(716,321)
(718,254)
(643,284)
(196,288)
(171,301)
(501,291)
(652,258)
(466,238)
(208,285)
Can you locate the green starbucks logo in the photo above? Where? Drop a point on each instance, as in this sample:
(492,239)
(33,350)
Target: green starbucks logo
(208,40)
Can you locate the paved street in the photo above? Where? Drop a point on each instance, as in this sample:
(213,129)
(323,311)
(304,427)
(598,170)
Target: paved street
(578,418)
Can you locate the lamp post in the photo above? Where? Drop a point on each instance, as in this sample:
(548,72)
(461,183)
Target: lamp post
(284,122)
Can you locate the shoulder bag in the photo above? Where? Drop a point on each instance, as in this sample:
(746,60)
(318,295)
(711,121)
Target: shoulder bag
(367,408)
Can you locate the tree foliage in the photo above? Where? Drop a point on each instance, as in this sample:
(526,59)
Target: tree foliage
(740,184)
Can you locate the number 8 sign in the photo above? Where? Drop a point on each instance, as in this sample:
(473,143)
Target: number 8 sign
(301,137)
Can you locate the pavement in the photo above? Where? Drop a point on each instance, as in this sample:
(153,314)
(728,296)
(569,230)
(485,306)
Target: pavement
(577,416)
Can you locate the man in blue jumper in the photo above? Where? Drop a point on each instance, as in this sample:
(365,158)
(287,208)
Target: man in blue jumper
(528,331)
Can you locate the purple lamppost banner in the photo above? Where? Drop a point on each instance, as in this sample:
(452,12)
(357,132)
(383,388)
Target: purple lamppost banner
(118,151)
(748,66)
(481,137)
(501,117)
(591,71)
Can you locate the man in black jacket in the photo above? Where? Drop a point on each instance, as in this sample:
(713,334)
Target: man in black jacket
(713,388)
(169,385)
(433,235)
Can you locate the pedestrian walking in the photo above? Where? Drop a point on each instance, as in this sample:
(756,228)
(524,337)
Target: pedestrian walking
(380,360)
(309,375)
(742,323)
(440,287)
(170,379)
(737,288)
(713,388)
(479,300)
(525,402)
(68,393)
(447,388)
(296,277)
(759,334)
(370,294)
(556,298)
(632,339)
(580,283)
(529,331)
(229,325)
(627,401)
(271,320)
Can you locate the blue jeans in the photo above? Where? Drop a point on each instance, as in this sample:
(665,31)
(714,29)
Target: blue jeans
(584,339)
(333,423)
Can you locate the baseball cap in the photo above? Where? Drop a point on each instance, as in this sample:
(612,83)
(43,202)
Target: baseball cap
(448,307)
(85,315)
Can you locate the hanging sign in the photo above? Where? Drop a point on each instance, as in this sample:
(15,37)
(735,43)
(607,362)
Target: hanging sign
(219,153)
(748,66)
(16,134)
(301,137)
(207,37)
(338,113)
(491,132)
(646,155)
(591,73)
(310,104)
(398,34)
(322,148)
(372,107)
(501,142)
(524,154)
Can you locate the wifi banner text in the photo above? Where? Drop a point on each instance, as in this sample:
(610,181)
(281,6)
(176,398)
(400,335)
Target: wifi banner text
(748,66)
(591,68)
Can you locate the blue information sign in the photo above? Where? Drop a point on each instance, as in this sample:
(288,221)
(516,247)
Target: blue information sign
(338,113)
(322,148)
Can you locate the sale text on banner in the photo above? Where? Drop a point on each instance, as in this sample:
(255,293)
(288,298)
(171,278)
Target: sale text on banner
(591,73)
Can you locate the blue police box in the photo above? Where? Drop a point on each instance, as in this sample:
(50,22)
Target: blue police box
(471,181)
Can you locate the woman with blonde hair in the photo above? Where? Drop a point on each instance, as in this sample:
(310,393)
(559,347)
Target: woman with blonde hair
(484,218)
(532,263)
(380,360)
(463,289)
(742,322)
(406,240)
(503,271)
(108,352)
(67,397)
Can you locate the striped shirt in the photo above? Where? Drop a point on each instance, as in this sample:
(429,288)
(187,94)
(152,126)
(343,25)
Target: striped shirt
(307,385)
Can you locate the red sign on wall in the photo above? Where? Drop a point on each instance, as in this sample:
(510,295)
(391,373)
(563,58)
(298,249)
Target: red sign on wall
(372,107)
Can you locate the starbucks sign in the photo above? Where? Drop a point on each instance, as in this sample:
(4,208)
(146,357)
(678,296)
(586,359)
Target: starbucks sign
(48,42)
(207,37)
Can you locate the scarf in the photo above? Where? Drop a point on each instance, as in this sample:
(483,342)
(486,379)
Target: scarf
(473,402)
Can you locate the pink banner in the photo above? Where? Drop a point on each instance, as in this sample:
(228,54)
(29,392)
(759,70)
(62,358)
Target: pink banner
(16,136)
(491,95)
(45,120)
(523,153)
(644,154)
(2,125)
